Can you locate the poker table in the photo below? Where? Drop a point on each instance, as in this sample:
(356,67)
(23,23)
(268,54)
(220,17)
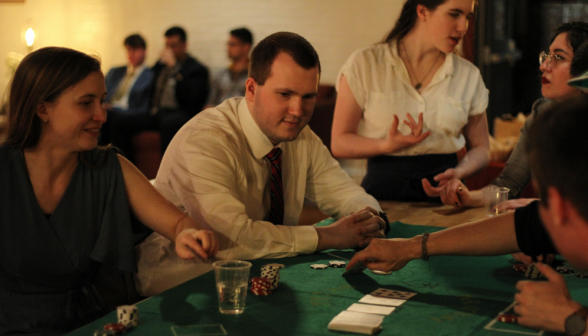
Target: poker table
(455,296)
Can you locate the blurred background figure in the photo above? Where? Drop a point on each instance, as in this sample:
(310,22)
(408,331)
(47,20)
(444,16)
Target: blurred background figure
(128,86)
(230,82)
(178,92)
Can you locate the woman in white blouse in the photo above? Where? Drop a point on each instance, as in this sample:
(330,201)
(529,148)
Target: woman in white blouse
(414,76)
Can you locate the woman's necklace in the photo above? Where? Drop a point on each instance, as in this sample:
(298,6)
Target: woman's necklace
(419,82)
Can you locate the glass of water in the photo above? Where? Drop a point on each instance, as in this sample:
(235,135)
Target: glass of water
(231,285)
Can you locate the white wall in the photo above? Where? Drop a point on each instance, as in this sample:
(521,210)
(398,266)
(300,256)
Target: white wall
(335,27)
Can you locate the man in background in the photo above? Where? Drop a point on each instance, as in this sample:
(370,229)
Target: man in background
(230,82)
(128,86)
(178,92)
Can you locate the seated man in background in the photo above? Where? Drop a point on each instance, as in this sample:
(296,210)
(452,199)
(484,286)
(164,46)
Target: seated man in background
(245,167)
(230,82)
(178,92)
(558,155)
(127,86)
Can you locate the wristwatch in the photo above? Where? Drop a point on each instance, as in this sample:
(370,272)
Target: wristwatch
(576,323)
(384,216)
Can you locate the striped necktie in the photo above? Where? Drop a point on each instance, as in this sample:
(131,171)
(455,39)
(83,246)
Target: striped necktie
(276,214)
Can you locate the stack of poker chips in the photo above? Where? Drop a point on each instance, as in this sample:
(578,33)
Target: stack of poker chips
(532,272)
(272,272)
(128,315)
(261,286)
(337,264)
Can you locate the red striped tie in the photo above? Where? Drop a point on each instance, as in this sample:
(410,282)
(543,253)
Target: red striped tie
(276,214)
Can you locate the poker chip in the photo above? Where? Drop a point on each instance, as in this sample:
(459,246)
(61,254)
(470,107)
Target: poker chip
(582,274)
(520,267)
(272,273)
(532,272)
(104,333)
(117,328)
(337,263)
(318,266)
(381,272)
(276,266)
(565,269)
(128,315)
(507,318)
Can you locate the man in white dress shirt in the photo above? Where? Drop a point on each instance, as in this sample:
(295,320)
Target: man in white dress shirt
(216,170)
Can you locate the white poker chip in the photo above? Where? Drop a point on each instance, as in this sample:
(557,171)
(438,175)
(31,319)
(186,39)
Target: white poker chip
(278,266)
(318,266)
(381,272)
(337,263)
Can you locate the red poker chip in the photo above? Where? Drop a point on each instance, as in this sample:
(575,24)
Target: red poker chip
(261,292)
(118,328)
(507,318)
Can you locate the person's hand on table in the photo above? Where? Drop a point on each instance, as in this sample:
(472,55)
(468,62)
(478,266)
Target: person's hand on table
(544,304)
(397,141)
(527,260)
(192,242)
(351,231)
(387,254)
(514,204)
(450,189)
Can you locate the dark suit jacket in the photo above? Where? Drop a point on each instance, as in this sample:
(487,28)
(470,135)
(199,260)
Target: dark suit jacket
(139,97)
(192,85)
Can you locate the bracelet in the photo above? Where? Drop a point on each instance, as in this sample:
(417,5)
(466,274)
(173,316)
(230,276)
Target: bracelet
(425,255)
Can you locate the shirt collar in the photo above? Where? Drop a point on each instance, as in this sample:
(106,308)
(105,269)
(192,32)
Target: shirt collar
(447,68)
(259,143)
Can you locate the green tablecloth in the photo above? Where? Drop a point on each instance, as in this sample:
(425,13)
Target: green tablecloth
(455,296)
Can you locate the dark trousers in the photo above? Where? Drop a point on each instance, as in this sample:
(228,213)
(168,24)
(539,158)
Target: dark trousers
(167,122)
(398,178)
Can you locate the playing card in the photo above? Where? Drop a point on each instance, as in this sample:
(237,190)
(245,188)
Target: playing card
(356,269)
(381,301)
(393,294)
(371,309)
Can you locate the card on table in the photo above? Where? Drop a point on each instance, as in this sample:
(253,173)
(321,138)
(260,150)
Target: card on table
(382,301)
(355,322)
(371,309)
(393,294)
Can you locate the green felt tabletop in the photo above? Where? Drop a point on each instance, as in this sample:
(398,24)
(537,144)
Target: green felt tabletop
(455,296)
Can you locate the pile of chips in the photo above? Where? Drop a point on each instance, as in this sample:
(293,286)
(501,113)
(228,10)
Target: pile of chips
(261,286)
(337,264)
(565,270)
(272,272)
(532,272)
(128,315)
(507,318)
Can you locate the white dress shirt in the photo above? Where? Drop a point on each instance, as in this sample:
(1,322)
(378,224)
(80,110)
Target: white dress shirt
(215,170)
(123,102)
(381,86)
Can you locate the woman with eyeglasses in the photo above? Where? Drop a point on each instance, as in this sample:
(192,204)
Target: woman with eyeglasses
(409,104)
(558,66)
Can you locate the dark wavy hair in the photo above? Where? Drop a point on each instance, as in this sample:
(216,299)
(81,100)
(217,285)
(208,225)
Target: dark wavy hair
(42,76)
(577,35)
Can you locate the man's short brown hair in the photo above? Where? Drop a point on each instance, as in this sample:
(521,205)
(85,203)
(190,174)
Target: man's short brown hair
(266,51)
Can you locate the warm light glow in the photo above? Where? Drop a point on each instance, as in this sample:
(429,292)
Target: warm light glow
(30,37)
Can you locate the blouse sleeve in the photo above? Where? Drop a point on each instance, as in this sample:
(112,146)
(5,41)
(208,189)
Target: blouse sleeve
(353,70)
(480,99)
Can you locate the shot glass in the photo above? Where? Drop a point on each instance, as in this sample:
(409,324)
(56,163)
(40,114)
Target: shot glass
(493,196)
(231,285)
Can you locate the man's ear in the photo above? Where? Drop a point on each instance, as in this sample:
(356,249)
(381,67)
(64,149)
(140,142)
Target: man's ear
(558,207)
(250,89)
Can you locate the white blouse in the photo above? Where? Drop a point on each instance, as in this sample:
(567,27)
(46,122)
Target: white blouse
(381,86)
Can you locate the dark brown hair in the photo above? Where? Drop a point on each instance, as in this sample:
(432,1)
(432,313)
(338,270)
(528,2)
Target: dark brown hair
(41,77)
(266,51)
(408,17)
(558,152)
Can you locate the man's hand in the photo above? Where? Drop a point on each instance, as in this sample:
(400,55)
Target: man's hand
(168,57)
(388,254)
(351,231)
(544,304)
(192,242)
(397,141)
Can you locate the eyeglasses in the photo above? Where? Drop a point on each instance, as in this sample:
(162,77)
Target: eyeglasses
(543,56)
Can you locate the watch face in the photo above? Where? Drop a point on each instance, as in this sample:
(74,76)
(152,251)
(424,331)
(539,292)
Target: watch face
(575,325)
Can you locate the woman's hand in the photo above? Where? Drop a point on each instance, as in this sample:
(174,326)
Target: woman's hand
(397,141)
(192,242)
